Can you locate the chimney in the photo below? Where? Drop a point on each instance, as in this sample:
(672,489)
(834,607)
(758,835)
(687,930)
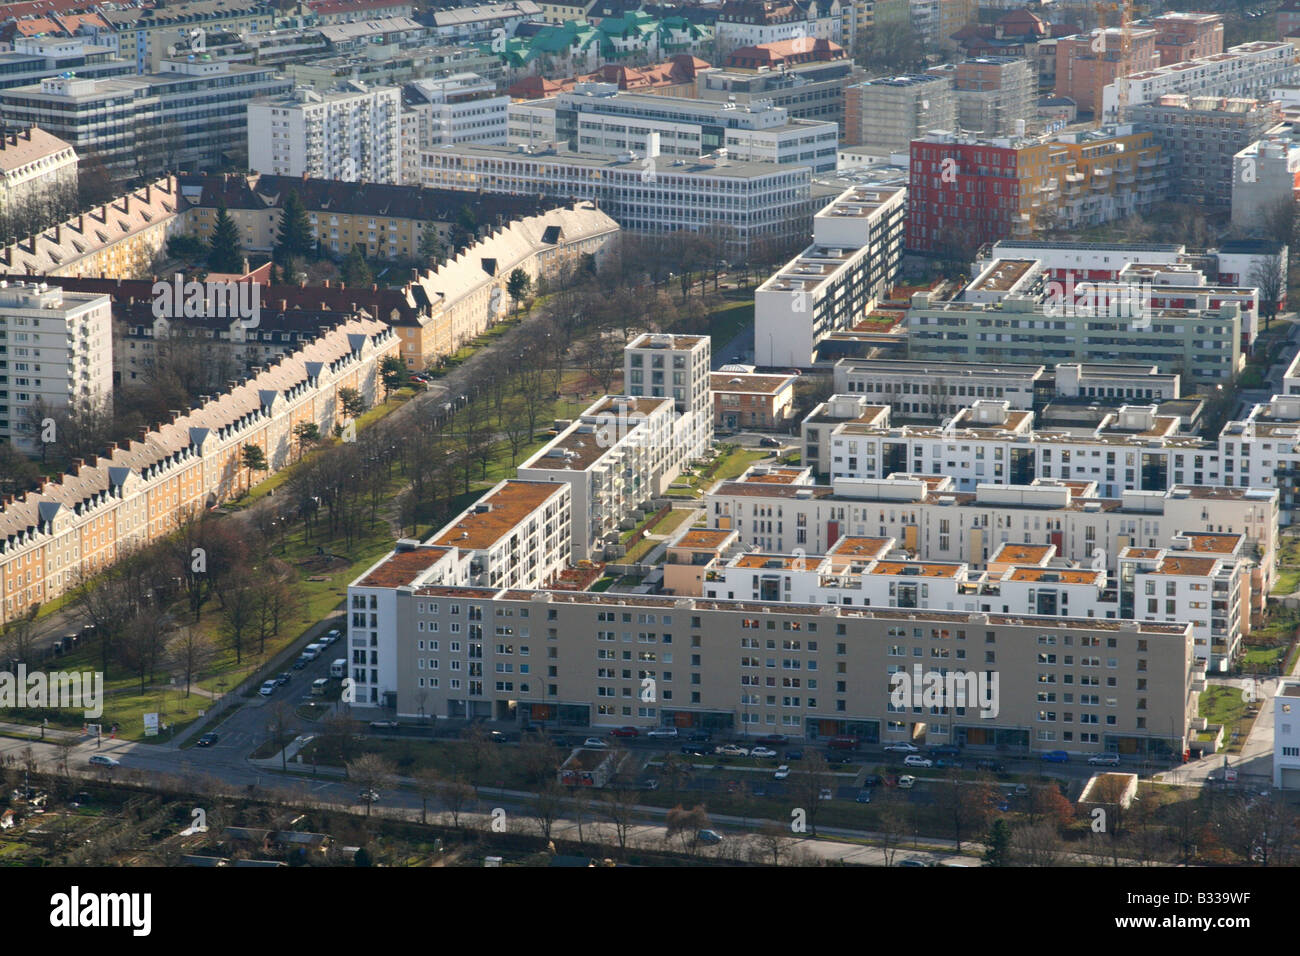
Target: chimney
(327,283)
(76,466)
(58,233)
(284,304)
(142,434)
(81,224)
(92,460)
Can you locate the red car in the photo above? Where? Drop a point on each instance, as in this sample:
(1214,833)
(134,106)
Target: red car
(625,732)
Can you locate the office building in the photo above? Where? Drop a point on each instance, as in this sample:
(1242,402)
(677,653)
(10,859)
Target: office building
(190,115)
(598,119)
(755,208)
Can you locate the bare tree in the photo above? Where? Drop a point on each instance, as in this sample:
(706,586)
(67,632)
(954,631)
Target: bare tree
(374,773)
(1266,276)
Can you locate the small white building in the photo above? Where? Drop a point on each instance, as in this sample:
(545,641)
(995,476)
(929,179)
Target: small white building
(1286,735)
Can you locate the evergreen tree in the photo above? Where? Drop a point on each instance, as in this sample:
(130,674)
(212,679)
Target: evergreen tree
(997,848)
(518,285)
(294,235)
(432,247)
(223,249)
(354,271)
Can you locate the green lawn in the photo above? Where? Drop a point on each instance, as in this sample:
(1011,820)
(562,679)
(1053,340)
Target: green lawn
(1222,705)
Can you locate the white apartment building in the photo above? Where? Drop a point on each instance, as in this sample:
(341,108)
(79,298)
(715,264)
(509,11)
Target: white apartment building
(1201,580)
(516,536)
(59,353)
(664,365)
(351,134)
(35,165)
(615,457)
(835,282)
(933,520)
(1286,735)
(751,205)
(599,118)
(1245,70)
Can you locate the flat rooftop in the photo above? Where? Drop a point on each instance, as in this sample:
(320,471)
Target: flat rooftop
(403,567)
(1193,566)
(749,382)
(1214,543)
(479,530)
(1002,275)
(1022,553)
(703,539)
(731,169)
(1056,575)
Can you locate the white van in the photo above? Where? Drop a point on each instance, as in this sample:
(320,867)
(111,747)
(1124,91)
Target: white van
(339,668)
(312,651)
(319,686)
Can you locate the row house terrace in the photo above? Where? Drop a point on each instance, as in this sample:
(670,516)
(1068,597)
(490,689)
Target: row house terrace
(140,490)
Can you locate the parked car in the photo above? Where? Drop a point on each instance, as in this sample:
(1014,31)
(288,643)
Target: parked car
(864,796)
(782,772)
(300,663)
(872,780)
(368,796)
(844,742)
(283,678)
(732,750)
(695,750)
(650,784)
(838,758)
(625,732)
(700,736)
(384,725)
(762,752)
(906,782)
(774,740)
(560,742)
(950,762)
(769,442)
(669,732)
(988,763)
(207,740)
(1104,760)
(902,748)
(944,750)
(916,760)
(1022,790)
(825,794)
(1056,756)
(497,737)
(268,688)
(794,755)
(104,760)
(708,837)
(332,635)
(912,861)
(595,743)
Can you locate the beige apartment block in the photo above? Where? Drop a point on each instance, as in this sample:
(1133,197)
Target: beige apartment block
(603,660)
